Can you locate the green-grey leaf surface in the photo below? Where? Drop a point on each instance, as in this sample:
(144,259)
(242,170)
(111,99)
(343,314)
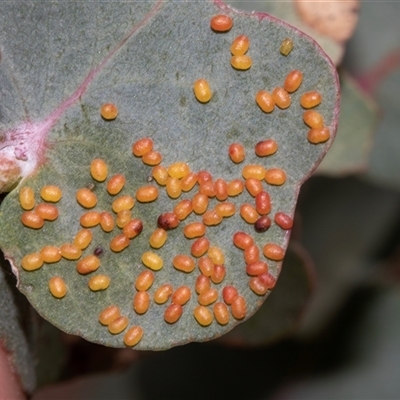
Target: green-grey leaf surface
(144,57)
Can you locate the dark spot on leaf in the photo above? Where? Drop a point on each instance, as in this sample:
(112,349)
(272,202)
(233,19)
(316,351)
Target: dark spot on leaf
(98,251)
(183,101)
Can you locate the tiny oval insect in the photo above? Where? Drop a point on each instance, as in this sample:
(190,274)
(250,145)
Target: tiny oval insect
(206,266)
(265,101)
(221,23)
(123,217)
(225,209)
(51,193)
(200,203)
(318,135)
(158,238)
(107,222)
(202,284)
(281,97)
(211,218)
(275,176)
(178,170)
(216,255)
(83,238)
(119,243)
(142,147)
(109,111)
(152,158)
(172,313)
(115,184)
(125,202)
(241,63)
(283,220)
(229,293)
(49,212)
(133,336)
(266,148)
(50,254)
(273,252)
(183,209)
(99,169)
(262,224)
(144,280)
(181,295)
(242,240)
(147,194)
(286,46)
(183,263)
(235,187)
(88,264)
(70,252)
(194,230)
(221,313)
(254,171)
(253,186)
(199,247)
(310,99)
(141,302)
(202,90)
(203,315)
(90,219)
(207,296)
(32,220)
(236,152)
(248,213)
(109,314)
(163,293)
(152,260)
(32,262)
(188,182)
(167,221)
(160,174)
(99,282)
(57,287)
(239,307)
(313,119)
(293,81)
(118,325)
(86,198)
(173,187)
(27,198)
(240,45)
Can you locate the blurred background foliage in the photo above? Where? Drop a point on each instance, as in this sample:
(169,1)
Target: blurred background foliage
(331,328)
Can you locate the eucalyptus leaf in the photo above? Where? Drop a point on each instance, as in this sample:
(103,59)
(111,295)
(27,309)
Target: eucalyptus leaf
(144,58)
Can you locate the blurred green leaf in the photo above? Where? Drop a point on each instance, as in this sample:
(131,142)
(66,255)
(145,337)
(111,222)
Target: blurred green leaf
(346,224)
(373,368)
(373,58)
(16,329)
(354,140)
